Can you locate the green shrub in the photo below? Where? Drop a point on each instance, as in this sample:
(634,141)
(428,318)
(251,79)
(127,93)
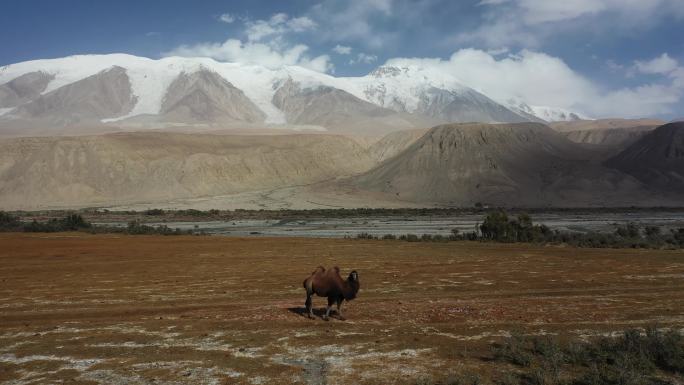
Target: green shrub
(9,222)
(412,238)
(464,379)
(72,222)
(514,350)
(137,228)
(631,359)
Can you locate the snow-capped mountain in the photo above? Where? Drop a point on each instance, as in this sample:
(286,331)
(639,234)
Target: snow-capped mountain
(121,89)
(423,91)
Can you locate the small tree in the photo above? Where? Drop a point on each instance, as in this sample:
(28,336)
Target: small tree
(630,230)
(496,227)
(74,222)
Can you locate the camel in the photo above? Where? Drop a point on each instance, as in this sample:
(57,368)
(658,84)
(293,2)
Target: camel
(329,283)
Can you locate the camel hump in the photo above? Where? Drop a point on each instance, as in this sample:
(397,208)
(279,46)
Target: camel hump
(337,269)
(318,270)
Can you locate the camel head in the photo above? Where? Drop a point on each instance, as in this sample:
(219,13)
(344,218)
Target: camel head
(353,286)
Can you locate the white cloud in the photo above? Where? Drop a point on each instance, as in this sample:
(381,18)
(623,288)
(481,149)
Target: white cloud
(662,64)
(342,49)
(278,24)
(646,100)
(354,20)
(234,50)
(276,52)
(227,18)
(540,79)
(527,23)
(300,24)
(537,11)
(504,31)
(678,77)
(545,11)
(364,58)
(612,66)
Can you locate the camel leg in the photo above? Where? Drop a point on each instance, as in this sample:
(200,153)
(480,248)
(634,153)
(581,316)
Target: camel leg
(339,309)
(329,308)
(308,304)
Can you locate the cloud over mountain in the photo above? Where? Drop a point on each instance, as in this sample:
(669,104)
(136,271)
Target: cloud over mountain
(537,78)
(266,43)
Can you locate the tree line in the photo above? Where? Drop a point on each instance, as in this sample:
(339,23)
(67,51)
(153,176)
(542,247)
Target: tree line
(498,226)
(75,222)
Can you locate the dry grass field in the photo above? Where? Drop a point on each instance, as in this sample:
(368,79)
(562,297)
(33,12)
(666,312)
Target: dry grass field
(114,309)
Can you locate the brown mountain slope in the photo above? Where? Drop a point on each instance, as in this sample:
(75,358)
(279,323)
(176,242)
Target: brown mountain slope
(156,167)
(525,164)
(23,88)
(395,142)
(607,137)
(613,137)
(603,124)
(340,111)
(104,95)
(657,159)
(205,97)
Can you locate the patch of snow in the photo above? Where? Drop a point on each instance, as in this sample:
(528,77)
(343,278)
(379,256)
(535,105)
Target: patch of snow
(72,363)
(258,380)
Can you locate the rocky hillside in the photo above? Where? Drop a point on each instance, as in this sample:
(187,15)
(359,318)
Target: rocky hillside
(617,134)
(525,164)
(656,159)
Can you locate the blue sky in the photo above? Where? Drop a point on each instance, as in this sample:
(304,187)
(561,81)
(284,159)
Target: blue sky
(602,57)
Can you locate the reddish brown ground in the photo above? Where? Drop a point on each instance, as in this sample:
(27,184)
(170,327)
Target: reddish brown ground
(114,309)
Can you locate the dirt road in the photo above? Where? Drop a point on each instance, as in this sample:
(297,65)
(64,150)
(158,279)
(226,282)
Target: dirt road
(113,309)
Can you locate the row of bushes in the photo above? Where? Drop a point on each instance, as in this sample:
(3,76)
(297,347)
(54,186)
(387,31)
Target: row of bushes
(634,358)
(499,227)
(75,222)
(72,222)
(408,213)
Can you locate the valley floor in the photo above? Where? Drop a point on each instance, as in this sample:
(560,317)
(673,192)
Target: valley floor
(113,309)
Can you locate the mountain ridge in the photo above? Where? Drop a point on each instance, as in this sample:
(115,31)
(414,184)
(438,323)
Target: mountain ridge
(416,96)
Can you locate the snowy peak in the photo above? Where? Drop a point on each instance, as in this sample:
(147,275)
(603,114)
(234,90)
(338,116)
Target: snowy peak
(435,94)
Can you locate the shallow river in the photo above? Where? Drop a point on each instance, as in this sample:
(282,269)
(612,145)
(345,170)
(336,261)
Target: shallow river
(397,225)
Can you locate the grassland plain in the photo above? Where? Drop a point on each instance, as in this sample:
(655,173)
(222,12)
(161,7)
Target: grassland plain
(115,309)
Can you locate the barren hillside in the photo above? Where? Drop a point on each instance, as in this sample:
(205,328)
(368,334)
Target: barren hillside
(154,167)
(657,159)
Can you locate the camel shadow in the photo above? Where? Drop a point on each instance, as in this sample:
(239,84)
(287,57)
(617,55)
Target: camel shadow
(301,311)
